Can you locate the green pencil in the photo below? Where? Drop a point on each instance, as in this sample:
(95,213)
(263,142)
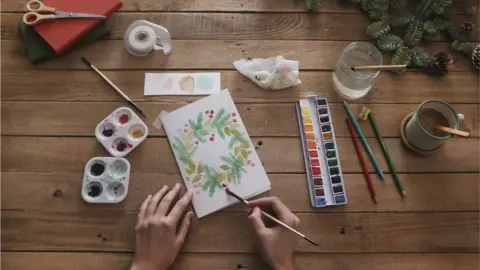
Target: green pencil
(396,179)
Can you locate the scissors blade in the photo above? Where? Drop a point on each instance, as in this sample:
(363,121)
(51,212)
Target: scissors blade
(66,15)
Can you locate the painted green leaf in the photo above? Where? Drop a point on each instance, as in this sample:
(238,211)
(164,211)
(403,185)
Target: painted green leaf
(229,178)
(241,160)
(189,171)
(236,132)
(227,131)
(196,178)
(225,167)
(237,150)
(221,177)
(203,132)
(245,145)
(191,165)
(200,168)
(244,154)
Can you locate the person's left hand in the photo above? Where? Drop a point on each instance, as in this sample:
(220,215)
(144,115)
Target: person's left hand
(157,240)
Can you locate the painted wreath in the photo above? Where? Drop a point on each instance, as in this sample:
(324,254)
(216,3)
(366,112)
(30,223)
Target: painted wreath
(208,127)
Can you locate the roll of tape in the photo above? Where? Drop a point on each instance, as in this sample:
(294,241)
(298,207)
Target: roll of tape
(142,37)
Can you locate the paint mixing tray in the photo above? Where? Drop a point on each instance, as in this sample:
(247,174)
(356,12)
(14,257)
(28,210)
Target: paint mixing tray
(121,132)
(106,180)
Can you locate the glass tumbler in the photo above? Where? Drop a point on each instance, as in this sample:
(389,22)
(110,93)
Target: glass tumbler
(350,84)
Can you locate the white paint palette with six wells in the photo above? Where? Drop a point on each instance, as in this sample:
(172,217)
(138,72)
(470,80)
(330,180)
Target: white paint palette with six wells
(121,132)
(106,180)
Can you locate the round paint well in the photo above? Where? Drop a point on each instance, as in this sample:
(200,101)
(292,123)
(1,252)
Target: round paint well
(121,145)
(118,168)
(123,116)
(94,189)
(97,168)
(137,132)
(106,129)
(116,189)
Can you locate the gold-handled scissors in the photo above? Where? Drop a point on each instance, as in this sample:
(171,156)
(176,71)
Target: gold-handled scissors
(38,13)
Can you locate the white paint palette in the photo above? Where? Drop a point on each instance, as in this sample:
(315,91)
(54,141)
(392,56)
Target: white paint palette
(106,180)
(121,132)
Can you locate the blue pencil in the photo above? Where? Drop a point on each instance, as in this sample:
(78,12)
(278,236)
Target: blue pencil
(364,141)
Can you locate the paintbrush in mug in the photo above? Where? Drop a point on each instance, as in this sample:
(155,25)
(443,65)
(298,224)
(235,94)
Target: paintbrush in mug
(365,114)
(229,192)
(451,131)
(363,140)
(381,68)
(135,106)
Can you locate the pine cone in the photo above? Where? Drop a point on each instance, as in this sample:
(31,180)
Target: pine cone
(476,58)
(439,64)
(467,28)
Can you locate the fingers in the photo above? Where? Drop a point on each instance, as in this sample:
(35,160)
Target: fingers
(179,207)
(164,205)
(143,209)
(256,219)
(184,228)
(282,211)
(154,201)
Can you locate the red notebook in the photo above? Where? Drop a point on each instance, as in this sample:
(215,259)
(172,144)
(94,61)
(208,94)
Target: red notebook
(62,33)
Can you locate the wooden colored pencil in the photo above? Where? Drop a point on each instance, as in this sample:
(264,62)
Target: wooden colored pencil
(267,215)
(396,179)
(370,185)
(363,140)
(135,106)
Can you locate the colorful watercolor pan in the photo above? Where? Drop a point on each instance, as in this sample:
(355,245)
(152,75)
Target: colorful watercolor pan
(320,151)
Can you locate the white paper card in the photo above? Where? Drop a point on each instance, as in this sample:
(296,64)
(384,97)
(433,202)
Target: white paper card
(181,83)
(212,147)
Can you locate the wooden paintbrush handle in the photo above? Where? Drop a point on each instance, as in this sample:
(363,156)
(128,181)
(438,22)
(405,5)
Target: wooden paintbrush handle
(384,67)
(452,131)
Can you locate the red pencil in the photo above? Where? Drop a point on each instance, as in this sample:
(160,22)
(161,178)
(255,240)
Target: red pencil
(371,187)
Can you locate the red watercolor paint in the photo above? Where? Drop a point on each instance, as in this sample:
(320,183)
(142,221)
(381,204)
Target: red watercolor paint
(121,147)
(224,186)
(318,181)
(123,119)
(319,192)
(313,154)
(316,171)
(315,162)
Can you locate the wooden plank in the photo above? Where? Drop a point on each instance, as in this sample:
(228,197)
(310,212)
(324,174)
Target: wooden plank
(60,192)
(201,54)
(278,155)
(271,120)
(340,233)
(86,86)
(304,261)
(327,6)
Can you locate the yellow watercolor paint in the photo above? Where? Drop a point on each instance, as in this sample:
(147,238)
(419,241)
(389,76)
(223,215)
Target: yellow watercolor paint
(308,128)
(310,136)
(306,111)
(327,136)
(137,133)
(307,120)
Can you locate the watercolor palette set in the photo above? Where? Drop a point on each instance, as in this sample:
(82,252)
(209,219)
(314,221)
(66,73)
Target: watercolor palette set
(106,180)
(121,132)
(322,162)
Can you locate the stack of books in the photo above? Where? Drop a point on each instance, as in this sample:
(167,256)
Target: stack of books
(49,39)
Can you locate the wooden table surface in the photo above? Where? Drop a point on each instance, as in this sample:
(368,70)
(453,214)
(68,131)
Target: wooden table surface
(49,113)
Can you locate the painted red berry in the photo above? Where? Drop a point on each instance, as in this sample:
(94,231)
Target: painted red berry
(185,130)
(196,142)
(212,139)
(206,112)
(211,116)
(234,120)
(211,112)
(186,125)
(249,162)
(187,178)
(253,164)
(234,114)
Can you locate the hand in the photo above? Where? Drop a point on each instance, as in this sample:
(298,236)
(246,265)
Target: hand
(277,243)
(157,240)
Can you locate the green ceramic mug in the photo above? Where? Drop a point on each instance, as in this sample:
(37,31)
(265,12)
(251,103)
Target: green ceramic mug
(418,131)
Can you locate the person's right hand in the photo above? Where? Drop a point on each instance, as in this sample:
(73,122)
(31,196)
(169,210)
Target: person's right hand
(277,243)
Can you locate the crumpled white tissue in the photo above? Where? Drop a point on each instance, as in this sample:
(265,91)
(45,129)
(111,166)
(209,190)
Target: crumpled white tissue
(271,73)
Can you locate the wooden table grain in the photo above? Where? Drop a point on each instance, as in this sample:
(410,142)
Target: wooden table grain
(49,113)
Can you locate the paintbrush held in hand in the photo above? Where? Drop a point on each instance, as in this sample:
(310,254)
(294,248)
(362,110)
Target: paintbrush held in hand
(231,193)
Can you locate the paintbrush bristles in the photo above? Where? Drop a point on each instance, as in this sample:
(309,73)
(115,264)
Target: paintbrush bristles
(86,61)
(379,68)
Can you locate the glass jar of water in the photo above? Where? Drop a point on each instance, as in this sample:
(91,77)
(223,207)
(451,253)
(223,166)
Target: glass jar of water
(351,84)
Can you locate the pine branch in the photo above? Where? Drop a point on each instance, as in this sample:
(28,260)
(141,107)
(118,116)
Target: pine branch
(403,56)
(378,29)
(424,9)
(354,1)
(397,4)
(464,47)
(414,33)
(419,57)
(312,5)
(401,18)
(389,43)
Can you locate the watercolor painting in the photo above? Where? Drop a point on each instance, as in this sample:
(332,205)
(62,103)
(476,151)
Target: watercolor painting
(204,83)
(212,148)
